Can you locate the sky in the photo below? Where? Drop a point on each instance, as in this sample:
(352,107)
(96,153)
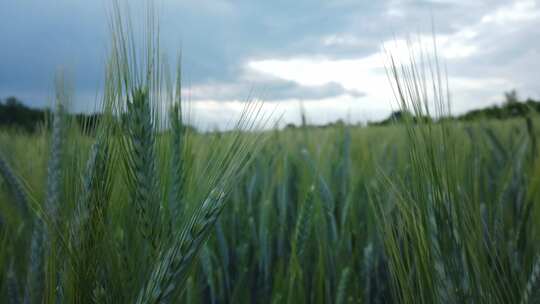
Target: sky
(323,55)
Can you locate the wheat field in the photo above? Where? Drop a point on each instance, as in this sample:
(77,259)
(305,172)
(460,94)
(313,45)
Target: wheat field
(137,207)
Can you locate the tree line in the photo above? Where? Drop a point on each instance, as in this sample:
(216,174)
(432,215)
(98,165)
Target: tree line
(15,114)
(512,107)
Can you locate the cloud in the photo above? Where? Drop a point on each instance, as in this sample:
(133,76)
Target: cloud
(269,90)
(312,50)
(515,12)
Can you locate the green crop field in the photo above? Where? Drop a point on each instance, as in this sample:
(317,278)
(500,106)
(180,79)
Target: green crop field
(138,208)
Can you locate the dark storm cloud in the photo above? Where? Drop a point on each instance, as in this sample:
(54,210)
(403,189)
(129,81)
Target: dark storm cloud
(39,38)
(217,37)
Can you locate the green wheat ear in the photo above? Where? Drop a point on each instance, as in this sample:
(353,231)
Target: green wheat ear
(177,161)
(43,234)
(530,293)
(342,287)
(140,158)
(54,178)
(302,228)
(15,186)
(13,295)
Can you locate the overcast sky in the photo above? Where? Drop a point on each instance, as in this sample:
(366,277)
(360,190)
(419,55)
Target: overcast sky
(326,54)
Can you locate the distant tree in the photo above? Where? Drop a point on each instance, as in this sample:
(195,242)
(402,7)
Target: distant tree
(511,97)
(401,116)
(511,107)
(13,113)
(290,126)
